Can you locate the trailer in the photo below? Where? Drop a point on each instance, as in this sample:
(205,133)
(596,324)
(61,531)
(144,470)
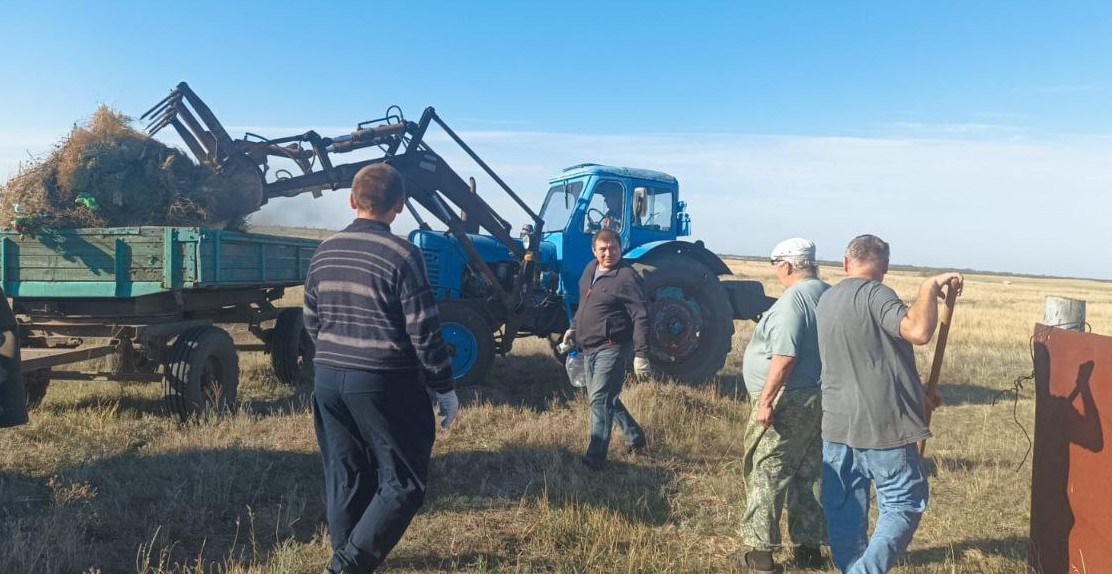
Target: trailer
(150,302)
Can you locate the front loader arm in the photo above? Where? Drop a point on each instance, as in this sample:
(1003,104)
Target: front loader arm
(430,181)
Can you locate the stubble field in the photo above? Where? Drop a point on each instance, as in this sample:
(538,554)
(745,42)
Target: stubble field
(101,481)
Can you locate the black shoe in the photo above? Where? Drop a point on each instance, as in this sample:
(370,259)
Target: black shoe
(592,463)
(756,561)
(333,568)
(638,447)
(808,558)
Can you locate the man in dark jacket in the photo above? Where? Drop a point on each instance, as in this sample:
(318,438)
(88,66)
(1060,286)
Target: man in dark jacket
(13,397)
(611,323)
(372,315)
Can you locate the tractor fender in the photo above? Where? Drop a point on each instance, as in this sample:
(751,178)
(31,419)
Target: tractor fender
(747,298)
(694,250)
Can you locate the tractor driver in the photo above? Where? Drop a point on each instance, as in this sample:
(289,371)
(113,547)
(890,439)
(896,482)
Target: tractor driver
(612,217)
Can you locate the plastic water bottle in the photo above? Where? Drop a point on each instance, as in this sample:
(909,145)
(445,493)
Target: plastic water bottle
(577,373)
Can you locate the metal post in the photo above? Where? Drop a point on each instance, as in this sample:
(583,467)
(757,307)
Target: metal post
(1068,314)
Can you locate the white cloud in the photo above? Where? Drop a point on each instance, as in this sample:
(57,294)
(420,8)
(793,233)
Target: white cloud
(1028,208)
(959,130)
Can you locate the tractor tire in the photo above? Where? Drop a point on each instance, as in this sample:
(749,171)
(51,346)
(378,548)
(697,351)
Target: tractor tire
(291,348)
(553,341)
(36,383)
(201,372)
(691,322)
(470,341)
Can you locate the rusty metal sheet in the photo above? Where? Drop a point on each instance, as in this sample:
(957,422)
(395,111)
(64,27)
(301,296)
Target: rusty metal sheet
(1071,489)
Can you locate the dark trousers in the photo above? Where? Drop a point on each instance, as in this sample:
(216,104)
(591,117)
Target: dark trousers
(606,371)
(375,432)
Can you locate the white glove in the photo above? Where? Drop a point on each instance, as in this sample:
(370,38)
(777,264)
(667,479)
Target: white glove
(449,408)
(568,342)
(642,367)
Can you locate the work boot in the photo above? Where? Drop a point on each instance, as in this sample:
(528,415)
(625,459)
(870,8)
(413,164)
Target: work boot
(757,562)
(336,568)
(808,558)
(637,447)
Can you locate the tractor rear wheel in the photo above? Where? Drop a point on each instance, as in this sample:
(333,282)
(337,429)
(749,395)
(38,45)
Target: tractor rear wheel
(201,372)
(691,322)
(470,341)
(291,348)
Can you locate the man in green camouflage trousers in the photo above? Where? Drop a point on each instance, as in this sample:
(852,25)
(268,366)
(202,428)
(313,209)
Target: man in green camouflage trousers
(783,445)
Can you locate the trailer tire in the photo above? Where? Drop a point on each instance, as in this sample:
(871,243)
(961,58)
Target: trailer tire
(470,341)
(291,348)
(201,372)
(691,322)
(36,384)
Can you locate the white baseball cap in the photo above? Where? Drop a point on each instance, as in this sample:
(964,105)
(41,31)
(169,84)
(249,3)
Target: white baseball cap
(795,248)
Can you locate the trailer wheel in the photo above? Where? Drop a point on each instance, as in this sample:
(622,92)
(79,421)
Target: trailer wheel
(201,372)
(291,348)
(691,322)
(36,383)
(470,341)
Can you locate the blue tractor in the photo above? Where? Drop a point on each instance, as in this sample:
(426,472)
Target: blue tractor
(691,312)
(494,283)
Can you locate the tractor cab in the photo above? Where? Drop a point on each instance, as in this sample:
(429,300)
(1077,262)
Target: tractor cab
(642,206)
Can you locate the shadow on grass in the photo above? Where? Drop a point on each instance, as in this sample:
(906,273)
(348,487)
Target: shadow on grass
(238,507)
(967,394)
(731,387)
(293,398)
(123,402)
(955,464)
(531,381)
(129,405)
(462,562)
(628,485)
(230,505)
(535,381)
(1012,548)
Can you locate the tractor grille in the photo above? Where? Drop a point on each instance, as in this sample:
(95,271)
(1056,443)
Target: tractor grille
(432,266)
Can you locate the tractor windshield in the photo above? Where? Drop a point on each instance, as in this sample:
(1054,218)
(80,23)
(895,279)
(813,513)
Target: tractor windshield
(560,204)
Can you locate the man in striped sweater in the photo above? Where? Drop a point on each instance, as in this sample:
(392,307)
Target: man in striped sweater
(371,313)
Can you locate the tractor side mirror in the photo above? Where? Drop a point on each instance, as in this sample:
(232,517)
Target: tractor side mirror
(640,202)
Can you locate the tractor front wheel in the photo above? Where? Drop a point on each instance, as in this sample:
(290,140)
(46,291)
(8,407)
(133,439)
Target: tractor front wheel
(470,341)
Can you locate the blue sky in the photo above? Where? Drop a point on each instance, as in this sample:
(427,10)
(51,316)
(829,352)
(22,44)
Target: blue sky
(966,133)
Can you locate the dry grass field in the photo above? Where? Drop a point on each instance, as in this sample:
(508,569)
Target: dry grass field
(101,481)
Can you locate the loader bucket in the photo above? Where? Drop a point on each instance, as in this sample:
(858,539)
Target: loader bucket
(235,180)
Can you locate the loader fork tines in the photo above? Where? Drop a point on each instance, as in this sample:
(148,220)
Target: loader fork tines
(194,122)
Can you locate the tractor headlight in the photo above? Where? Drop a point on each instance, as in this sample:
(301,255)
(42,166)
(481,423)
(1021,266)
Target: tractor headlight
(527,237)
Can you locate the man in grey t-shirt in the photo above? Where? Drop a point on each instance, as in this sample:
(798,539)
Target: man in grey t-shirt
(874,407)
(783,450)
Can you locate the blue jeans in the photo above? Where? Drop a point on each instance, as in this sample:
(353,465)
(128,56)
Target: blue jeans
(375,432)
(901,494)
(606,370)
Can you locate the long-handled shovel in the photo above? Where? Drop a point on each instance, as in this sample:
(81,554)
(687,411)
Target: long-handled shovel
(939,351)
